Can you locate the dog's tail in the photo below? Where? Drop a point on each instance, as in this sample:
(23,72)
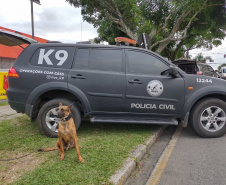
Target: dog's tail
(47,149)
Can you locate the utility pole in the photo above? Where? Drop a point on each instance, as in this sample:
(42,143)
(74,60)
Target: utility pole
(32,15)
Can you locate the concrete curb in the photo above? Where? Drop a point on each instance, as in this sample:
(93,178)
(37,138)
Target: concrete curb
(135,156)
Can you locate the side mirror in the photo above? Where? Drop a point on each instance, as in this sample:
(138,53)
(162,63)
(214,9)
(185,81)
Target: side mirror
(173,71)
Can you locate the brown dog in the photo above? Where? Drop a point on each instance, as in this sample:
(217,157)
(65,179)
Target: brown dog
(67,135)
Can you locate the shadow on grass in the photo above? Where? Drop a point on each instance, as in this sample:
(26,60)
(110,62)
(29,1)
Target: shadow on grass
(87,126)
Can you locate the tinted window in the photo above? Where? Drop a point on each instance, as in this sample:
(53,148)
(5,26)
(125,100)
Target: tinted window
(144,63)
(210,68)
(82,57)
(205,68)
(106,59)
(202,68)
(56,57)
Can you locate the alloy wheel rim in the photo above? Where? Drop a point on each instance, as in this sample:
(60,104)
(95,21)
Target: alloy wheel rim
(51,120)
(213,119)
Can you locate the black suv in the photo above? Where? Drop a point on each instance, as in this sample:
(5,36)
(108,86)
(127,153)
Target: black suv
(111,84)
(193,67)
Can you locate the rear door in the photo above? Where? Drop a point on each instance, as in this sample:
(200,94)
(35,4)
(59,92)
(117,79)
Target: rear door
(100,74)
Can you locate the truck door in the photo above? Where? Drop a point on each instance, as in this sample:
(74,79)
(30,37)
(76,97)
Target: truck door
(149,89)
(100,74)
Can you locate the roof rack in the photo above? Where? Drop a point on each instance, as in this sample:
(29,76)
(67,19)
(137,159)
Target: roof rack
(50,41)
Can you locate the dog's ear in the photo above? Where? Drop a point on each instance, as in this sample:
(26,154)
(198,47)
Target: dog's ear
(70,106)
(60,104)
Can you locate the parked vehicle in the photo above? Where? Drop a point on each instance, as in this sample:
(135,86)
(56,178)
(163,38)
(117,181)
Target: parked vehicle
(223,73)
(111,84)
(193,67)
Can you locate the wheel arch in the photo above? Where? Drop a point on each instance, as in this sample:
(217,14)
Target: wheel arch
(193,101)
(47,92)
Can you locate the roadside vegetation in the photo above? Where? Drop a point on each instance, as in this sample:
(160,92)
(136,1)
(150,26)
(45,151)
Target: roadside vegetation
(3,103)
(104,148)
(173,28)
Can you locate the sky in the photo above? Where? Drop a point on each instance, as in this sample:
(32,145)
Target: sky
(217,54)
(53,20)
(57,20)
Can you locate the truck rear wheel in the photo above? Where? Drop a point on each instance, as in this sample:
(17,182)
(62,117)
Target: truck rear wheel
(48,121)
(208,118)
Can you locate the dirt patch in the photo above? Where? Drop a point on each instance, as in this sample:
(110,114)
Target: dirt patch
(11,171)
(6,117)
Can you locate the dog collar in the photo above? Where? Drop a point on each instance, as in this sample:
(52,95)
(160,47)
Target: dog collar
(67,118)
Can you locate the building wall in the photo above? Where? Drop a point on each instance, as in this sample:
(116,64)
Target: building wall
(6,63)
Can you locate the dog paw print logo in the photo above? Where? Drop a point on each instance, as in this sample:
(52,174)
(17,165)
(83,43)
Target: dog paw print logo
(155,88)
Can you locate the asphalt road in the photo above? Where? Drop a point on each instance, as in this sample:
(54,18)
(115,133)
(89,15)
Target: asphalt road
(145,167)
(196,161)
(183,158)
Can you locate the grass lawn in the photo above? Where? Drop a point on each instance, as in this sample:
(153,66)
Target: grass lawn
(104,147)
(3,103)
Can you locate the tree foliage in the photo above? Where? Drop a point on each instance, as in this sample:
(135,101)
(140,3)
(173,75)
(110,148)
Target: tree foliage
(174,26)
(199,58)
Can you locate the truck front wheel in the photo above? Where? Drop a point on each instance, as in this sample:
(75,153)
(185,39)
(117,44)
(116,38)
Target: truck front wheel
(208,118)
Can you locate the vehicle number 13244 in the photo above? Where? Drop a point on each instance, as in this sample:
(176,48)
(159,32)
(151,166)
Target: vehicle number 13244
(204,80)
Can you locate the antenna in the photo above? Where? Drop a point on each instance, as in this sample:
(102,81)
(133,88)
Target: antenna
(81,32)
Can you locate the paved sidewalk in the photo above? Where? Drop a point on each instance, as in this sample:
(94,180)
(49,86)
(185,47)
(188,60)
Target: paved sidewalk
(6,112)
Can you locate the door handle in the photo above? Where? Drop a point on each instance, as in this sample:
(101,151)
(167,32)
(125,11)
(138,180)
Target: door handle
(78,76)
(135,81)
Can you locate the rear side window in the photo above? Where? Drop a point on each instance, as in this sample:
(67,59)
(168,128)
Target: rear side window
(107,60)
(82,57)
(100,59)
(145,63)
(56,57)
(210,68)
(202,68)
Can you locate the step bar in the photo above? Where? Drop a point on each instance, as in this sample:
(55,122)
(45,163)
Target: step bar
(158,121)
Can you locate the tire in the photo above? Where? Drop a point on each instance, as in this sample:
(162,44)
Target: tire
(208,118)
(48,122)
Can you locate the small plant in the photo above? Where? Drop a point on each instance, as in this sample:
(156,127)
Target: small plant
(3,103)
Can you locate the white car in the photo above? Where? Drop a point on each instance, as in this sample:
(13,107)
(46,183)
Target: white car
(223,72)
